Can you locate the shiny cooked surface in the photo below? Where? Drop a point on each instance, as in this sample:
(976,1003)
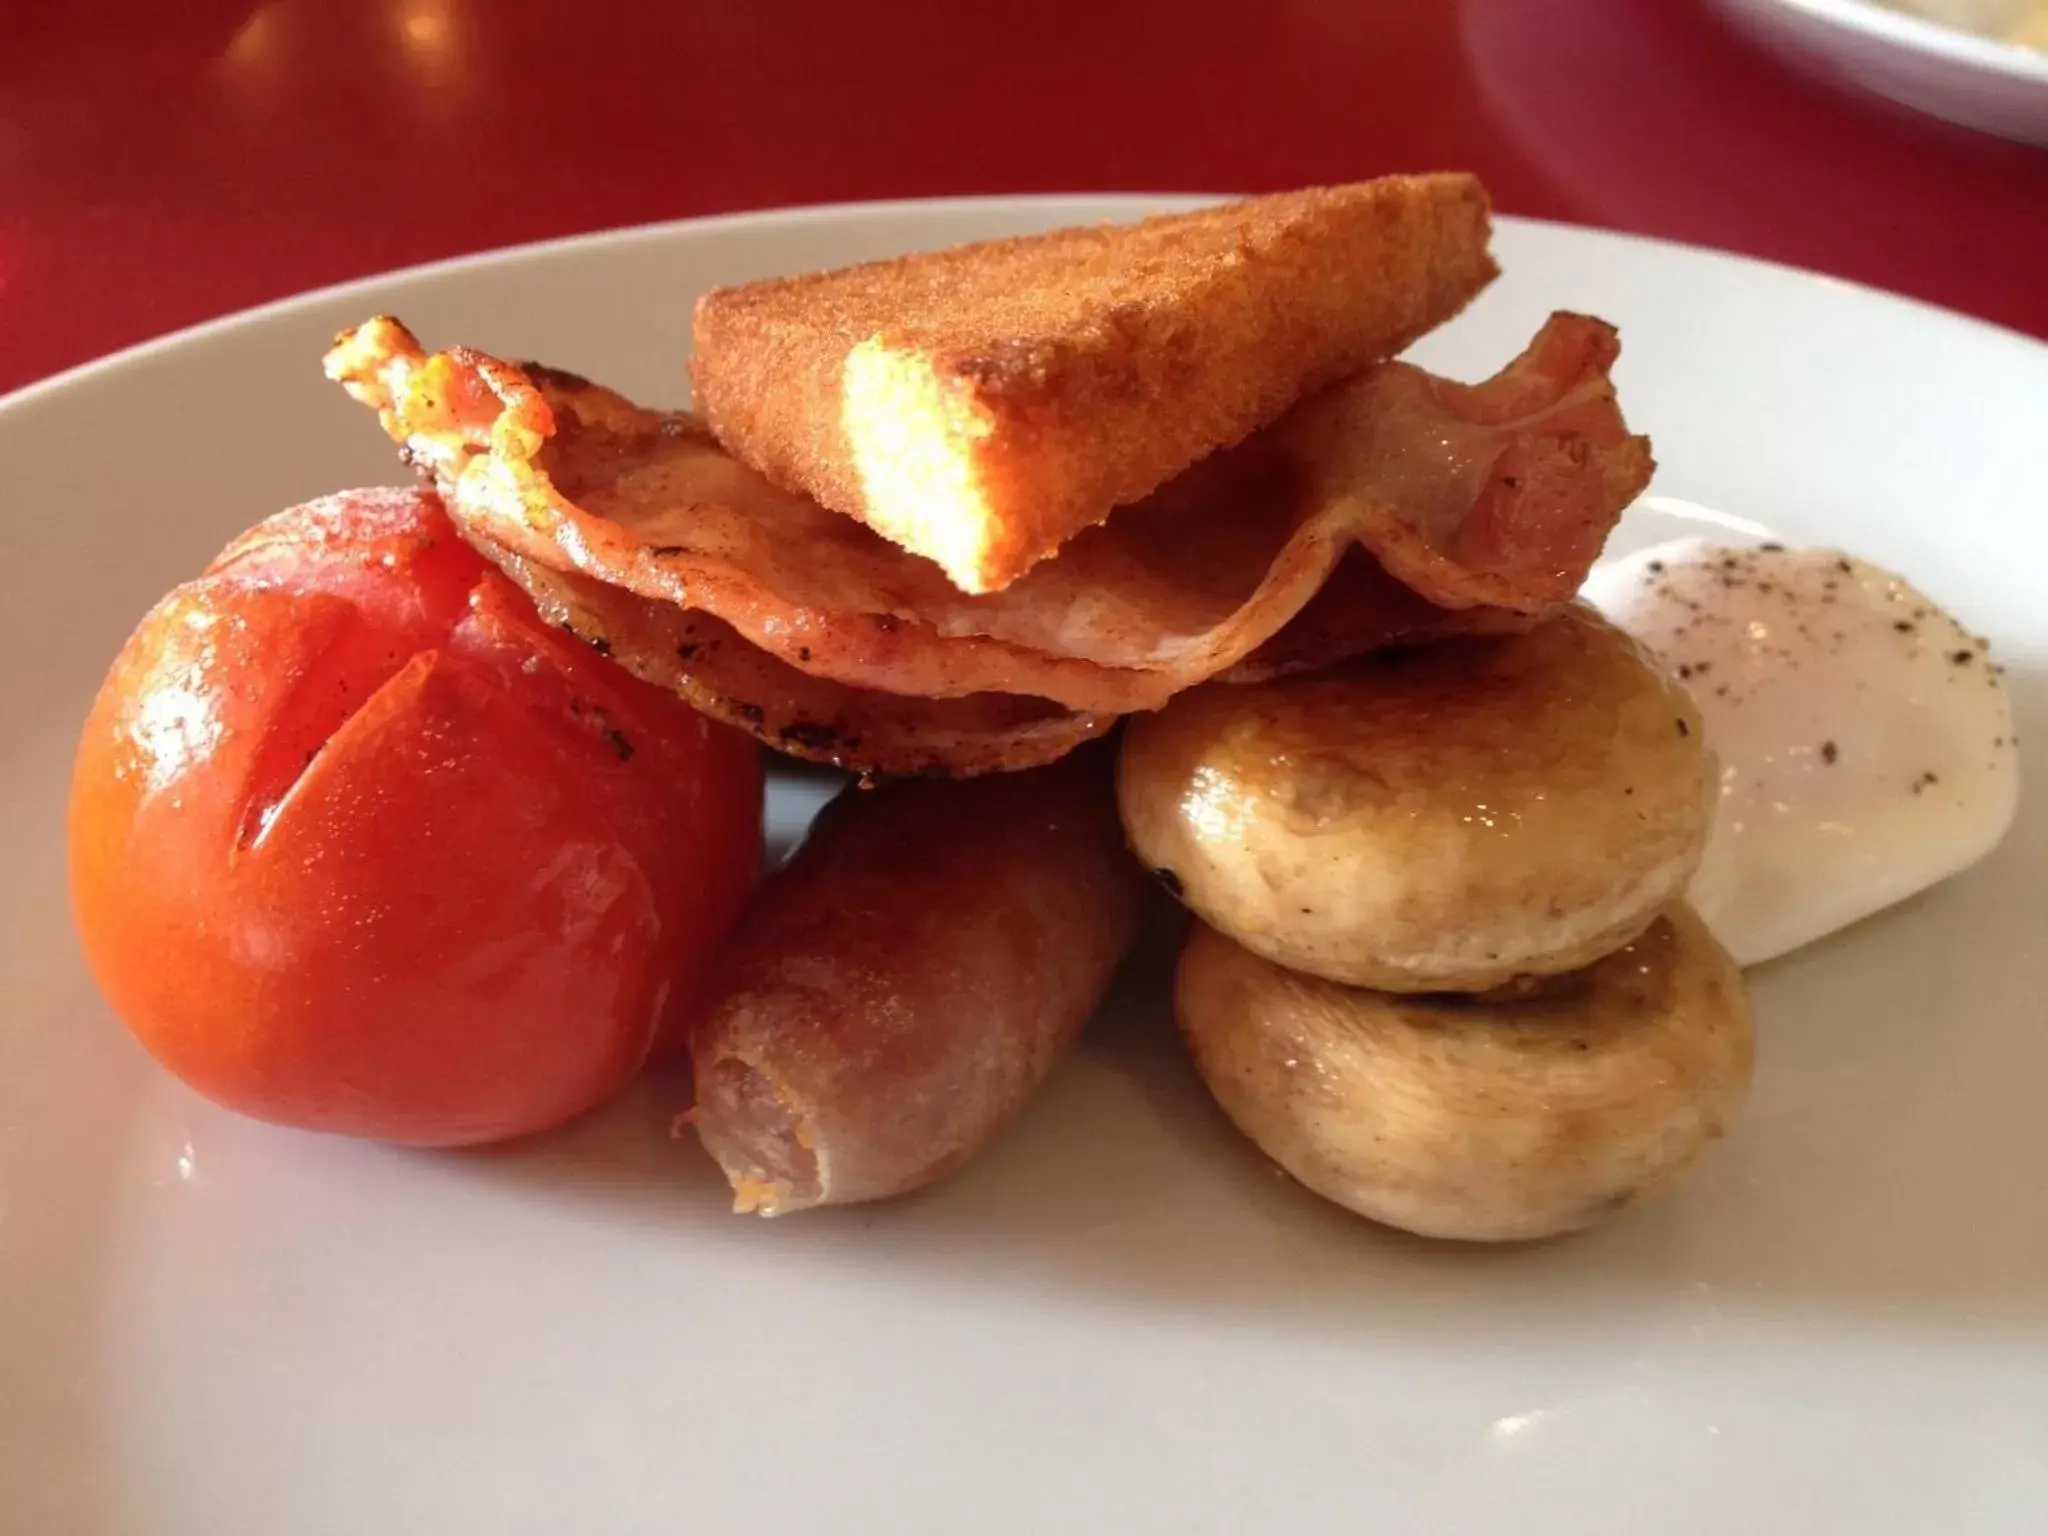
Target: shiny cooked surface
(1448,817)
(1528,1112)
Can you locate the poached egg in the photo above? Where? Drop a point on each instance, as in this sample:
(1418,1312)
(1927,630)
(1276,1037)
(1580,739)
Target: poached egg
(1865,737)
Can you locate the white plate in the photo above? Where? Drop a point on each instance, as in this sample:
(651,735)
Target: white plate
(1119,1320)
(1970,79)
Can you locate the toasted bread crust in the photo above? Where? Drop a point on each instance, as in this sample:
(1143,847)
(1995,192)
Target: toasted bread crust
(982,405)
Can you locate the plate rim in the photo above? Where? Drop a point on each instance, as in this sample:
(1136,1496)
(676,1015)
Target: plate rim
(1919,34)
(798,214)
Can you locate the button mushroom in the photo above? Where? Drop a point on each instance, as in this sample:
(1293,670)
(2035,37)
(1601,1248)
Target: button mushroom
(1447,818)
(1522,1113)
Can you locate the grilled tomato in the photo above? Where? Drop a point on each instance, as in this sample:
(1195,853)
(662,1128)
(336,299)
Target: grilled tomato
(360,844)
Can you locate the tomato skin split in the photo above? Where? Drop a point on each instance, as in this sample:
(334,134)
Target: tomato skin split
(359,844)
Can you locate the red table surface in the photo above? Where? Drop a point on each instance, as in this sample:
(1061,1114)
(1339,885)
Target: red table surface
(163,163)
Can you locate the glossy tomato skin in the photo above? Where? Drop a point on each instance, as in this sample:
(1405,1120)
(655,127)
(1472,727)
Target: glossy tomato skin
(359,844)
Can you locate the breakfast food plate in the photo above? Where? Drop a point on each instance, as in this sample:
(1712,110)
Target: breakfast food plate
(1981,63)
(1119,1317)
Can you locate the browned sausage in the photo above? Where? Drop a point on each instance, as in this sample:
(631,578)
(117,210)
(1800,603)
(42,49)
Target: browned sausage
(898,991)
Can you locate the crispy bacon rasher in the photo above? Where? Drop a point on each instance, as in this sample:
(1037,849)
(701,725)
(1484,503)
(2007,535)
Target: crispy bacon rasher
(814,718)
(1439,508)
